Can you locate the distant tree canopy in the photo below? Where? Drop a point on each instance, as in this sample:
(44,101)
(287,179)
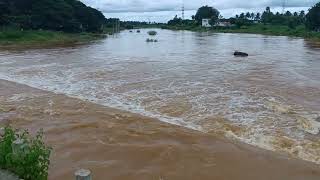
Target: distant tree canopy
(289,19)
(181,22)
(293,20)
(59,15)
(206,12)
(175,21)
(313,18)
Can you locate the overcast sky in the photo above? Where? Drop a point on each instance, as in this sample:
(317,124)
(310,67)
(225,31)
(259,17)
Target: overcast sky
(163,10)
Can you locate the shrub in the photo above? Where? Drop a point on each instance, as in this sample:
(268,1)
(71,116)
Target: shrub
(30,160)
(152,33)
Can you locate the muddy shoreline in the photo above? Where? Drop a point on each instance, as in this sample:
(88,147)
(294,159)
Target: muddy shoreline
(120,145)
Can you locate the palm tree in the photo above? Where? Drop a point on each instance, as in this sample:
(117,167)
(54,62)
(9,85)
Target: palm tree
(257,18)
(248,15)
(252,16)
(288,13)
(302,14)
(242,16)
(268,10)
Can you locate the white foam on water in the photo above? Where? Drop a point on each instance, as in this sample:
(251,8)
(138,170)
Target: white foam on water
(113,102)
(184,93)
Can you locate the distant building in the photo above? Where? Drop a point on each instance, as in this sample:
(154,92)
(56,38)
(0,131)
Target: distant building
(223,24)
(205,23)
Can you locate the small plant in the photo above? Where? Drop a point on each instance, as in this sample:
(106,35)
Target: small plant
(152,33)
(23,155)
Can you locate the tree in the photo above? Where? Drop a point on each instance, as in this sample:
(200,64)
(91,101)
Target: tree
(206,12)
(266,17)
(288,13)
(248,15)
(242,16)
(252,16)
(175,21)
(302,14)
(58,15)
(313,18)
(257,18)
(268,10)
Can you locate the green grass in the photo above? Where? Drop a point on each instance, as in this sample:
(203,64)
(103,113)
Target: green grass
(28,160)
(299,31)
(10,37)
(275,30)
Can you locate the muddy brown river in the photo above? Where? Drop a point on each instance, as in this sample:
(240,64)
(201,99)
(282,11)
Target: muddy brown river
(270,99)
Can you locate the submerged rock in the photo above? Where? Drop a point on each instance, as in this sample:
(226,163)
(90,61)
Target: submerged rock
(240,54)
(151,40)
(138,31)
(318,119)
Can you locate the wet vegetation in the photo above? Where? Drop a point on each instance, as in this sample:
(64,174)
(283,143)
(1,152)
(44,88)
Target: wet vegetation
(152,33)
(14,37)
(24,155)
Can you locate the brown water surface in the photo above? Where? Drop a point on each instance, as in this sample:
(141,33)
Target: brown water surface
(115,144)
(270,99)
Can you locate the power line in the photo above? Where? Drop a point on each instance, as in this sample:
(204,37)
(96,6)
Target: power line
(284,6)
(182,10)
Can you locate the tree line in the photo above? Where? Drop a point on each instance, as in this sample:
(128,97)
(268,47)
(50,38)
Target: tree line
(57,15)
(311,20)
(289,19)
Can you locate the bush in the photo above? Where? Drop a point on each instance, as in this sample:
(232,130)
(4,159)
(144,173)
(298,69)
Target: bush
(30,161)
(152,33)
(57,15)
(313,18)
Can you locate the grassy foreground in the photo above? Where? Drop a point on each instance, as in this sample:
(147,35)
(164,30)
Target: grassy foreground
(23,155)
(43,38)
(274,30)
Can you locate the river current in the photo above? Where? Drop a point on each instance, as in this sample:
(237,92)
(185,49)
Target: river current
(270,99)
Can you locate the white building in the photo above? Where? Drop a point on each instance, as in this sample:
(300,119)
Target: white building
(223,24)
(205,23)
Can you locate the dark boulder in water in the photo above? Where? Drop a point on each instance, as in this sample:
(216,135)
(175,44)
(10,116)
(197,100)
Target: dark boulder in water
(318,119)
(240,54)
(138,31)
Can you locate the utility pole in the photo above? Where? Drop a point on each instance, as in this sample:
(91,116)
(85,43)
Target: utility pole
(182,9)
(284,5)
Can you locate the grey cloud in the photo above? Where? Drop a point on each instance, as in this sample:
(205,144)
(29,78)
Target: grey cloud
(113,6)
(163,10)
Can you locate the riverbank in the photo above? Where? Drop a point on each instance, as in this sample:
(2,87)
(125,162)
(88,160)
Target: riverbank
(115,144)
(273,30)
(17,38)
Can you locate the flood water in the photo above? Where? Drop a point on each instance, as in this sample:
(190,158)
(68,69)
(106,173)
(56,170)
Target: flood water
(270,99)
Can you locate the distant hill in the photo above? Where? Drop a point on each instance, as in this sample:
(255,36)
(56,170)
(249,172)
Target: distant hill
(57,15)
